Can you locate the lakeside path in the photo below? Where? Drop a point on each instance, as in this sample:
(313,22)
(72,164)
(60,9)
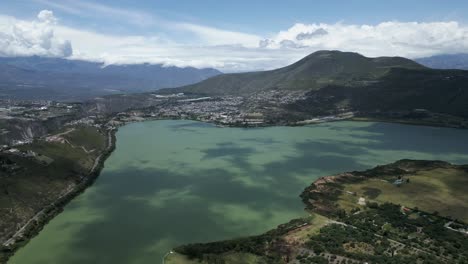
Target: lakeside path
(42,213)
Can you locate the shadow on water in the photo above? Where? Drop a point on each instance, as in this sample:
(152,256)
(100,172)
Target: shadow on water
(235,154)
(388,136)
(203,204)
(144,211)
(138,215)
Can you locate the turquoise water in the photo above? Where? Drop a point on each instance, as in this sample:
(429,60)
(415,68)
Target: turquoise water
(175,182)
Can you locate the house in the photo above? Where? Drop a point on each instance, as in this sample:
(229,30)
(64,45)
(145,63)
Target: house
(398,181)
(362,201)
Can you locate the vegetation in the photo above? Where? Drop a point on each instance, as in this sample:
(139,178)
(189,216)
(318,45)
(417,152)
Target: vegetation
(433,186)
(315,71)
(389,88)
(379,231)
(37,181)
(270,246)
(227,258)
(88,137)
(437,189)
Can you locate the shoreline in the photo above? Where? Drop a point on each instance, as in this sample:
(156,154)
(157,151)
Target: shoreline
(406,122)
(320,198)
(299,124)
(35,224)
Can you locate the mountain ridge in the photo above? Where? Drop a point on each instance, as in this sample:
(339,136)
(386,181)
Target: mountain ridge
(446,61)
(313,72)
(334,81)
(62,79)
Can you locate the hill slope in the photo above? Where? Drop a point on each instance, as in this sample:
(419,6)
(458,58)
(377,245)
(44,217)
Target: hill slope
(343,81)
(315,71)
(401,90)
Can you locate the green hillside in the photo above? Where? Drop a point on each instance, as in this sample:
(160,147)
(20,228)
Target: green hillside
(438,91)
(344,80)
(319,69)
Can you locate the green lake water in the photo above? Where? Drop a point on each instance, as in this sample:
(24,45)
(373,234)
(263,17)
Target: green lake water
(175,182)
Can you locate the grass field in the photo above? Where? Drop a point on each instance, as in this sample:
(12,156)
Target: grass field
(301,235)
(88,137)
(441,190)
(228,258)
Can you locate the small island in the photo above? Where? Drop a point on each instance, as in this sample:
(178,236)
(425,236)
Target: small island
(410,211)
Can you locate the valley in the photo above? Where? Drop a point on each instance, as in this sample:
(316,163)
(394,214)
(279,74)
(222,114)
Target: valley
(233,132)
(53,150)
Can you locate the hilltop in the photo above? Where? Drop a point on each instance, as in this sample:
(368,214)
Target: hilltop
(334,82)
(319,69)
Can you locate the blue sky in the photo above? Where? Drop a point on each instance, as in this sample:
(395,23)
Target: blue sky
(230,35)
(254,16)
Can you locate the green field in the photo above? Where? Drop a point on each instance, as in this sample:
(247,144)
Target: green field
(301,235)
(441,190)
(88,137)
(377,230)
(228,258)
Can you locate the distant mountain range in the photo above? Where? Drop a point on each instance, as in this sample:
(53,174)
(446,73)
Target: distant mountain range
(62,79)
(446,61)
(334,79)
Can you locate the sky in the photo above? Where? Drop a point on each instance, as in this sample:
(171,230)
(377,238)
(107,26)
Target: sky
(231,36)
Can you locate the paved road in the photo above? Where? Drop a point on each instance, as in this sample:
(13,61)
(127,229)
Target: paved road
(20,232)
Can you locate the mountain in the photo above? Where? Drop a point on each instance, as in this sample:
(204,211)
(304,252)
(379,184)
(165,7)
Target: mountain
(446,61)
(336,80)
(400,90)
(62,79)
(319,69)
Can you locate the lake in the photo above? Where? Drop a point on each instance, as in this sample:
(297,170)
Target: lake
(175,182)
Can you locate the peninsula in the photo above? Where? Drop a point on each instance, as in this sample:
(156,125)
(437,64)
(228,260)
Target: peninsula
(410,211)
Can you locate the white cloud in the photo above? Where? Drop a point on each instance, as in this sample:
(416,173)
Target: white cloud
(47,17)
(225,49)
(26,38)
(309,35)
(215,36)
(204,34)
(85,8)
(409,39)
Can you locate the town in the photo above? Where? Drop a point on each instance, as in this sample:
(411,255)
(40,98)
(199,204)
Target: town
(22,121)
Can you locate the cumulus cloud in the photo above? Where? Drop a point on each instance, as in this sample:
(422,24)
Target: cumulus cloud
(227,50)
(236,51)
(409,39)
(309,35)
(27,38)
(47,16)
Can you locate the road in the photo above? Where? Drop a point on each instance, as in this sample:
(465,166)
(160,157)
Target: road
(20,231)
(165,256)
